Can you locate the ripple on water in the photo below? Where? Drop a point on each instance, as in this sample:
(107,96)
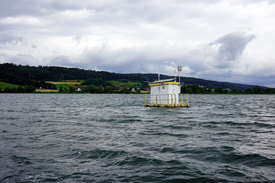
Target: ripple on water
(114,138)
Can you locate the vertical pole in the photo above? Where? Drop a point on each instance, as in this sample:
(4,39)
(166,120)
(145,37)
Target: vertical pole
(187,101)
(145,100)
(156,100)
(179,78)
(168,100)
(175,100)
(171,100)
(179,69)
(181,100)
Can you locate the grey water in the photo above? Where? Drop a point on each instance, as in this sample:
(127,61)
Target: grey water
(114,138)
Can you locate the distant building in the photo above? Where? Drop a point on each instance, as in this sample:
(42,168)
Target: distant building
(80,89)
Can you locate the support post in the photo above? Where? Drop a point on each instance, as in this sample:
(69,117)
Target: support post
(181,100)
(175,100)
(168,100)
(145,100)
(171,100)
(187,101)
(156,100)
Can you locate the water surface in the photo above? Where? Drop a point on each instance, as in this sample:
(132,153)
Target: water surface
(114,138)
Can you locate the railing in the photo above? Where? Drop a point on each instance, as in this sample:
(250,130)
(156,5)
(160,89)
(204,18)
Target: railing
(166,100)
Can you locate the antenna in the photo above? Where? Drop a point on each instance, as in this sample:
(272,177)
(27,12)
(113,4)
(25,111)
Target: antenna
(175,71)
(179,70)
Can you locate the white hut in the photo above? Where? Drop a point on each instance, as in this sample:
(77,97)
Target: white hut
(166,93)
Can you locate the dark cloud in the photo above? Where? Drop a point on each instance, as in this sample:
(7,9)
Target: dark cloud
(263,80)
(78,38)
(149,58)
(231,46)
(105,12)
(11,39)
(23,59)
(60,60)
(228,74)
(139,36)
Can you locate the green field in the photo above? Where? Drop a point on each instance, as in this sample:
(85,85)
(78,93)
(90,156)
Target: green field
(4,85)
(119,83)
(65,86)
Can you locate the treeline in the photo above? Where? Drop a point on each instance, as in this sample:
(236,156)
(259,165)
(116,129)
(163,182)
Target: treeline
(36,76)
(109,89)
(198,89)
(20,89)
(97,82)
(202,82)
(29,75)
(98,89)
(29,87)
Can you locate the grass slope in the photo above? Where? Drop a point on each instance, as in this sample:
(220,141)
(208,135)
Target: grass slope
(65,86)
(66,83)
(4,85)
(119,83)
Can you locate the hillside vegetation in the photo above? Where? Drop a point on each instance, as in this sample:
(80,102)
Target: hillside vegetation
(62,79)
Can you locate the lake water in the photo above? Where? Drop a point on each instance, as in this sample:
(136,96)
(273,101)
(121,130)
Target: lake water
(114,138)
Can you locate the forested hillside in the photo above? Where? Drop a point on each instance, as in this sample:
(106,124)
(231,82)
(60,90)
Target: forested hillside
(29,75)
(101,81)
(201,82)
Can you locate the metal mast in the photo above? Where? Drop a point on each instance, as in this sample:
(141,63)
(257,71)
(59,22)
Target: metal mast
(179,69)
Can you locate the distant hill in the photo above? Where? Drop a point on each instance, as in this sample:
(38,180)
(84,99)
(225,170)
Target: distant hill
(30,75)
(202,82)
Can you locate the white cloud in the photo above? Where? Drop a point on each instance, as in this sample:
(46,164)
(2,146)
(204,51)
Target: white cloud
(22,20)
(11,39)
(24,59)
(219,40)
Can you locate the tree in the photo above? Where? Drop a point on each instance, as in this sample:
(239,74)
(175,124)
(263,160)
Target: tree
(220,90)
(72,89)
(53,87)
(109,90)
(100,90)
(236,90)
(61,89)
(20,89)
(7,90)
(29,89)
(183,89)
(14,90)
(91,88)
(258,90)
(189,90)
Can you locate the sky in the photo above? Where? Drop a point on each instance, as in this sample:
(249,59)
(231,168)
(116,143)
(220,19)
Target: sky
(232,41)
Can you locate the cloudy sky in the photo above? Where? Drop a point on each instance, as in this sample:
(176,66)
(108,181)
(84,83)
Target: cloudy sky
(230,41)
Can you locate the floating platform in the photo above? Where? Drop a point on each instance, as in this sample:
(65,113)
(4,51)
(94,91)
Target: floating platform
(166,93)
(171,101)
